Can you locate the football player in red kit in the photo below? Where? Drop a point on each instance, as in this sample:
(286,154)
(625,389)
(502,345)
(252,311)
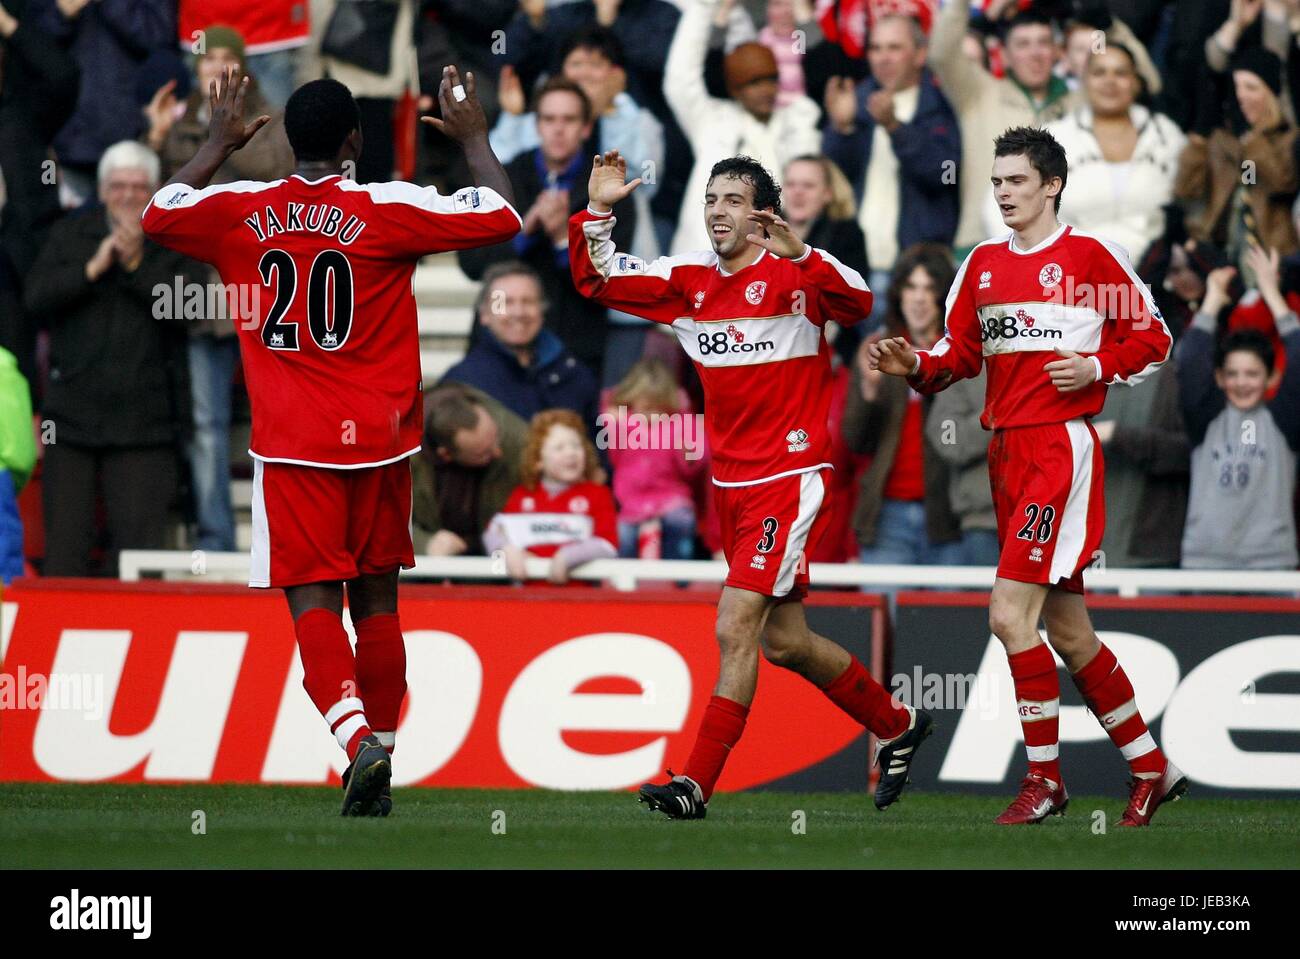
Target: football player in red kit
(750,313)
(1055,315)
(332,363)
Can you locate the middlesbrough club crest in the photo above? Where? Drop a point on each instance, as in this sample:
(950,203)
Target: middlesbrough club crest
(1050,275)
(754,292)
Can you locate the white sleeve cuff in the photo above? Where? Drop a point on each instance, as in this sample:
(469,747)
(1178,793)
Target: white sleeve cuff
(598,213)
(1096,365)
(807,252)
(916,368)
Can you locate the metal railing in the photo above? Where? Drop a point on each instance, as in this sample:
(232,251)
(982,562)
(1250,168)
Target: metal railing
(624,574)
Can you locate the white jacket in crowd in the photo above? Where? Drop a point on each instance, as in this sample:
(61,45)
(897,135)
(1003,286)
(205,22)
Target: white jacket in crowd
(1120,202)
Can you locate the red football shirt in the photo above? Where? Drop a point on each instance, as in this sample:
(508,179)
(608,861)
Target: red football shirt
(1009,309)
(535,520)
(755,337)
(330,347)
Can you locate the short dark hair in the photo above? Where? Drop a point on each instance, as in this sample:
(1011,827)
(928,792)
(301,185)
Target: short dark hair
(594,37)
(1041,149)
(318,119)
(767,192)
(1028,18)
(1247,341)
(564,85)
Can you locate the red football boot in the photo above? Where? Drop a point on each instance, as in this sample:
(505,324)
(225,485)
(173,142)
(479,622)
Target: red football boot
(1148,795)
(1038,799)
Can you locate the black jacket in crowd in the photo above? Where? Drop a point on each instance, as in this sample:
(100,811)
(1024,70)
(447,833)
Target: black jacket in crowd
(118,376)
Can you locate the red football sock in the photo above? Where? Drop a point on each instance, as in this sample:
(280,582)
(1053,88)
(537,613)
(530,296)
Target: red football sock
(329,676)
(381,673)
(1109,694)
(857,693)
(1038,701)
(720,730)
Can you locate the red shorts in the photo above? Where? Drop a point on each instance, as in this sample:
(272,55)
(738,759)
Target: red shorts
(316,525)
(767,531)
(1047,492)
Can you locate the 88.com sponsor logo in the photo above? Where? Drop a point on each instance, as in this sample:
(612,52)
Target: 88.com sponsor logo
(1014,326)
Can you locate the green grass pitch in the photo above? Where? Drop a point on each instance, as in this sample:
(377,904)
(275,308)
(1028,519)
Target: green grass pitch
(138,826)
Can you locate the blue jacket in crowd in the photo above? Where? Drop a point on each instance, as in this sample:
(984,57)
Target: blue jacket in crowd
(556,377)
(928,151)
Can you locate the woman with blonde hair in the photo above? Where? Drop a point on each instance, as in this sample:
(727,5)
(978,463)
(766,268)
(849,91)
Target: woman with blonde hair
(821,209)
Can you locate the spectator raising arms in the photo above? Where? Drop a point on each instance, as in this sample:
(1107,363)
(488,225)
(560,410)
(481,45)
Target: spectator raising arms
(1123,158)
(561,510)
(1243,472)
(1241,181)
(1030,94)
(749,123)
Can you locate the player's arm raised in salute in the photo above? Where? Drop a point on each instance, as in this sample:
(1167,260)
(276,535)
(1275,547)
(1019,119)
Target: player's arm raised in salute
(958,356)
(600,271)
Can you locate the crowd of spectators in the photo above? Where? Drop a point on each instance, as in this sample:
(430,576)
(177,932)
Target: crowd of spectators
(1179,119)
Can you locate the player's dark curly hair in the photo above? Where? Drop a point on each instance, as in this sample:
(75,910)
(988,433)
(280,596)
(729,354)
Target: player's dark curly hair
(1245,341)
(767,192)
(1041,149)
(318,118)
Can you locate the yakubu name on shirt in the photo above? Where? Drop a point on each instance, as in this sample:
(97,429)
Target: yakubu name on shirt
(322,218)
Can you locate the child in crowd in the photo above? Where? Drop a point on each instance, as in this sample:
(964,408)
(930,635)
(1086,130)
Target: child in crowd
(1243,474)
(561,509)
(659,456)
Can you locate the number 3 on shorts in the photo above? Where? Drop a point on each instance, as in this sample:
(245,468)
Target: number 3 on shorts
(770,526)
(1038,525)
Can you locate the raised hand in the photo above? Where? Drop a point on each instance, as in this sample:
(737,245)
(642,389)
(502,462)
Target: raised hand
(510,92)
(779,238)
(161,113)
(606,185)
(227,128)
(462,117)
(841,101)
(892,355)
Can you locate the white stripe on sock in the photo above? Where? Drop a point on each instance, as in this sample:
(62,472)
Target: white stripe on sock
(1138,747)
(1032,712)
(348,728)
(1042,754)
(340,709)
(386,739)
(1119,714)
